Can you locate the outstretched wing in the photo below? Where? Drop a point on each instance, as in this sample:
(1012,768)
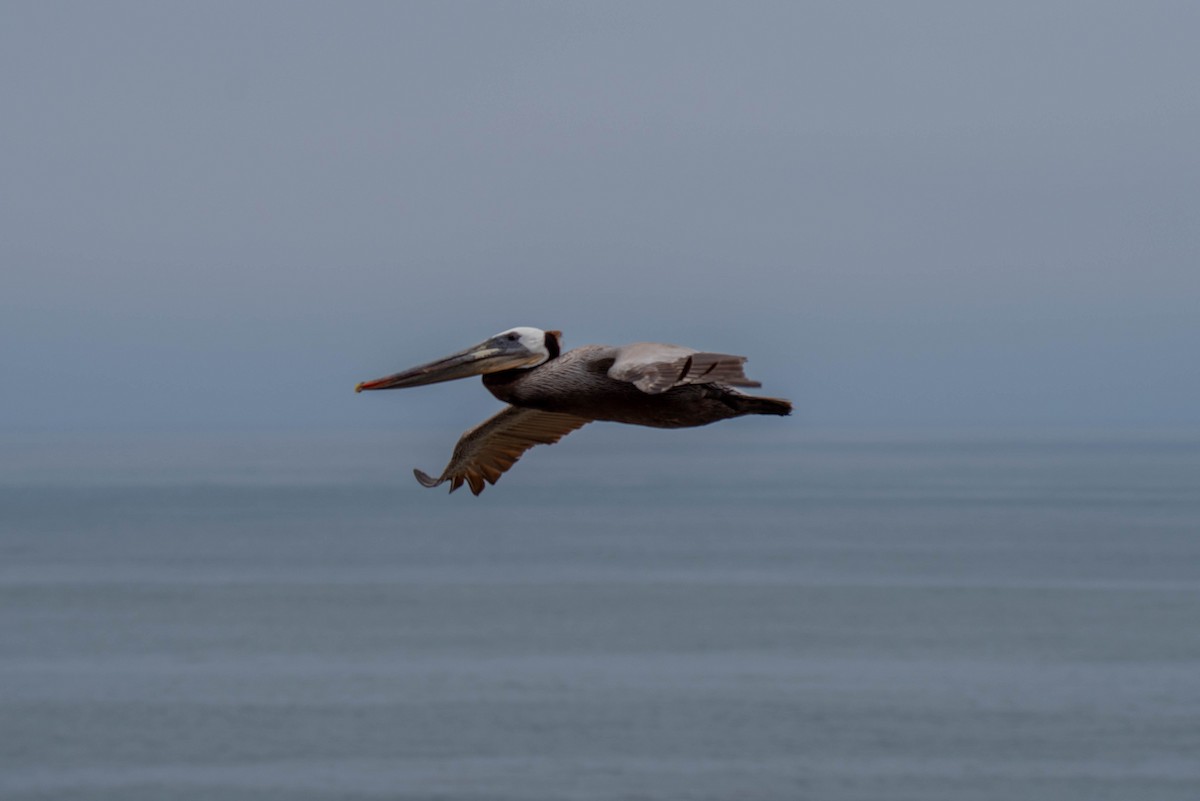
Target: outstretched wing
(486,451)
(654,368)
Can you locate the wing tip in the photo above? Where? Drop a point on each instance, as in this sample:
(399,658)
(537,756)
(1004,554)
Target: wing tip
(427,480)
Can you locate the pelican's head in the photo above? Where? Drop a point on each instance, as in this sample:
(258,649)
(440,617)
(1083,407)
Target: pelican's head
(516,348)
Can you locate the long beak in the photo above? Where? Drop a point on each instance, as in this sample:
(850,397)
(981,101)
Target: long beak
(482,358)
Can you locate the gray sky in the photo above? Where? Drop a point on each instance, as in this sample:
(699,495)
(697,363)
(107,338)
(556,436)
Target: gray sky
(907,214)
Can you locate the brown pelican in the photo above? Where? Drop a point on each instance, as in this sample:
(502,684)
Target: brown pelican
(553,393)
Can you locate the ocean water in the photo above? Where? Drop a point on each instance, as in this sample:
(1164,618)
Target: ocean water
(739,612)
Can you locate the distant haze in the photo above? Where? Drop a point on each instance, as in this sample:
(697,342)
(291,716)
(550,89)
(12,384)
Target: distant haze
(906,214)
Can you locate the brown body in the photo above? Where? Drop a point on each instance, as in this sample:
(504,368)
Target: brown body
(578,383)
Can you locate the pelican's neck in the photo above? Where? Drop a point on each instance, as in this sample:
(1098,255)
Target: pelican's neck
(504,383)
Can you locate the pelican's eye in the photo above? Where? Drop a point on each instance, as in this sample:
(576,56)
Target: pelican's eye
(513,337)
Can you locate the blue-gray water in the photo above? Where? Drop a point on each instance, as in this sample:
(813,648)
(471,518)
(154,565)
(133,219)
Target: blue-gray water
(737,612)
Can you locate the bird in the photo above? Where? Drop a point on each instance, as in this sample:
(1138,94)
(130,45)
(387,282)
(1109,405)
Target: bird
(551,393)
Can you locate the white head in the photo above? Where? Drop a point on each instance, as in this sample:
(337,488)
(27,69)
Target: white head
(543,344)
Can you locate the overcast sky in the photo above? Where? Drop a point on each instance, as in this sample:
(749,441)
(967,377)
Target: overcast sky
(906,214)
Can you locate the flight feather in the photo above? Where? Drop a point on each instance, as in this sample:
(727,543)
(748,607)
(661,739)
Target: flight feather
(486,451)
(654,368)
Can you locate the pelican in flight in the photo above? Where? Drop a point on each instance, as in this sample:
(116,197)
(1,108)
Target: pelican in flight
(551,393)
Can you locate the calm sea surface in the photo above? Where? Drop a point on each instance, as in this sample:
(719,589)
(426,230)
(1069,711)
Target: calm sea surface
(729,613)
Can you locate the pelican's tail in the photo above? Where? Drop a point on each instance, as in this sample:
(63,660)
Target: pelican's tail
(749,404)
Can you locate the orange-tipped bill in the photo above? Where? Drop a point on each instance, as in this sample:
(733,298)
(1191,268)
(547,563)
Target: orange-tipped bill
(487,357)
